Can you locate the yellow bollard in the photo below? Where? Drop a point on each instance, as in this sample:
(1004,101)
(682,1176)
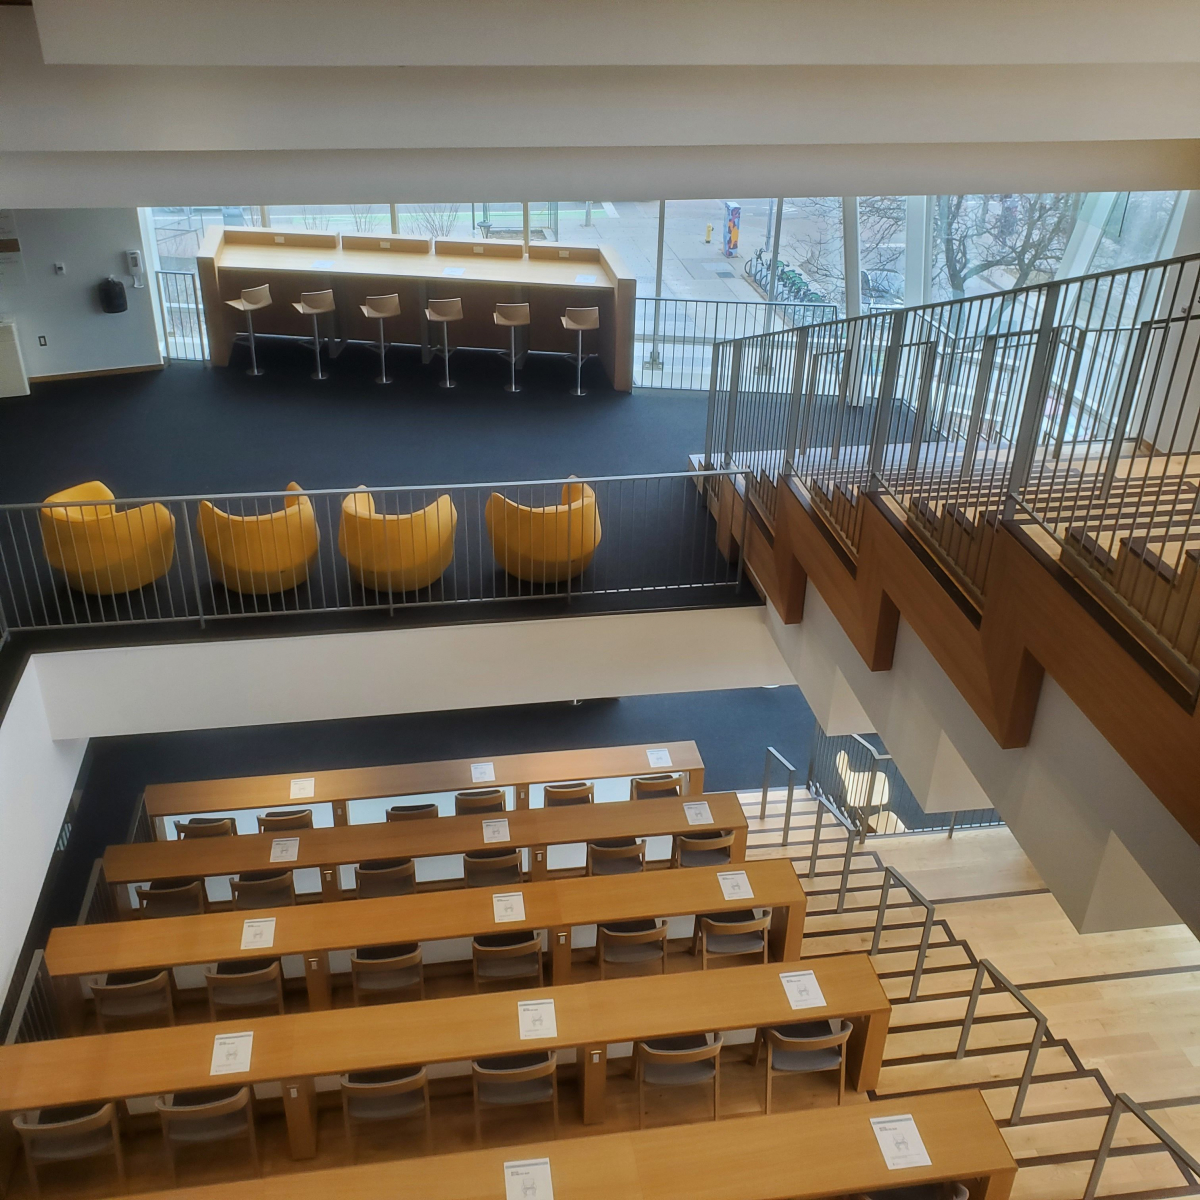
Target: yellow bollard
(708,233)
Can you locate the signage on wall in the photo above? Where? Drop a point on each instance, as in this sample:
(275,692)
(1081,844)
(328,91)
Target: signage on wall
(12,268)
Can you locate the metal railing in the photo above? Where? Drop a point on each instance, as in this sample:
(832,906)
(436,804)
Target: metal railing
(185,334)
(35,1017)
(853,832)
(1187,1164)
(1071,405)
(772,753)
(890,876)
(98,906)
(1039,1032)
(638,539)
(673,340)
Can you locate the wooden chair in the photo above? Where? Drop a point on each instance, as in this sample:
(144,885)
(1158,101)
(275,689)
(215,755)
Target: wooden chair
(141,997)
(731,935)
(616,856)
(507,958)
(640,944)
(263,889)
(804,1049)
(411,812)
(380,972)
(389,1094)
(920,1191)
(687,1061)
(655,787)
(562,795)
(712,849)
(479,800)
(199,827)
(69,1133)
(204,1117)
(516,1079)
(493,868)
(172,898)
(385,877)
(255,983)
(288,818)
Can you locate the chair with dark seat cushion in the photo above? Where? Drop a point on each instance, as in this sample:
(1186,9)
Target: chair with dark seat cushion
(687,1061)
(411,812)
(493,868)
(804,1049)
(616,856)
(263,889)
(69,1133)
(640,944)
(507,958)
(378,973)
(731,935)
(385,877)
(139,997)
(206,1116)
(388,1094)
(711,849)
(921,1191)
(655,787)
(562,795)
(172,898)
(246,984)
(199,827)
(288,818)
(479,800)
(516,1079)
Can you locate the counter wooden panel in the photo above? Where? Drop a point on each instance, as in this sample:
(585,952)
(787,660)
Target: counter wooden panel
(328,848)
(315,929)
(418,779)
(590,1016)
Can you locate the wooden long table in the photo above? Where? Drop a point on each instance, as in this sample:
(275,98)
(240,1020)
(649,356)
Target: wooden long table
(808,1155)
(336,788)
(294,1049)
(480,273)
(313,930)
(535,828)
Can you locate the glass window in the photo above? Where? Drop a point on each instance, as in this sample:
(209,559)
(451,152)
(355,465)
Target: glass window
(336,218)
(1135,229)
(881,222)
(812,264)
(707,244)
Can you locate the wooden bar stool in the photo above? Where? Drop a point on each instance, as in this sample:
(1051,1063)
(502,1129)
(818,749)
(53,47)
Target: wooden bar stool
(514,316)
(379,308)
(249,302)
(579,319)
(313,304)
(442,312)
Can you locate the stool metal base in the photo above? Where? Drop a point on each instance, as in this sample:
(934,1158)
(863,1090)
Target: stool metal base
(513,387)
(577,392)
(447,383)
(319,375)
(383,379)
(255,371)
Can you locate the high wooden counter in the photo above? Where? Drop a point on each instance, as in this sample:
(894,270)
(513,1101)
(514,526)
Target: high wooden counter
(550,279)
(329,848)
(315,929)
(592,1016)
(336,788)
(808,1155)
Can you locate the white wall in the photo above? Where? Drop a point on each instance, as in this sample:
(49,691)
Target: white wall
(1111,853)
(37,776)
(201,685)
(65,309)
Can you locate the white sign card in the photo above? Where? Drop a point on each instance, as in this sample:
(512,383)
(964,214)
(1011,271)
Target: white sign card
(802,989)
(455,271)
(697,812)
(259,931)
(483,772)
(900,1142)
(285,849)
(528,1180)
(735,885)
(302,789)
(585,279)
(496,831)
(535,1019)
(323,264)
(660,757)
(231,1053)
(508,906)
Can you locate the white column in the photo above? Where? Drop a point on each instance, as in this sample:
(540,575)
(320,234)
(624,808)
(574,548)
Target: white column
(918,250)
(850,251)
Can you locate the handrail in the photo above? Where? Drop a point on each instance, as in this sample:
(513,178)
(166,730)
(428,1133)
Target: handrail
(1039,1032)
(97,906)
(852,830)
(890,875)
(1186,1163)
(791,792)
(34,1018)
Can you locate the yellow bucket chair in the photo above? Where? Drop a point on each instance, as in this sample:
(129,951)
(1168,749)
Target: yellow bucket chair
(102,551)
(545,545)
(270,552)
(397,552)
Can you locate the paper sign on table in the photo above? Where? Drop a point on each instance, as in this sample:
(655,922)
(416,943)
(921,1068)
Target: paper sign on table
(697,812)
(735,885)
(528,1180)
(585,279)
(508,906)
(323,264)
(258,931)
(231,1053)
(483,772)
(660,757)
(302,789)
(802,989)
(496,831)
(285,849)
(900,1142)
(454,271)
(535,1019)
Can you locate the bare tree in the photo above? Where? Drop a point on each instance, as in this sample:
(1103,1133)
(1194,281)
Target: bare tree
(437,220)
(365,217)
(315,218)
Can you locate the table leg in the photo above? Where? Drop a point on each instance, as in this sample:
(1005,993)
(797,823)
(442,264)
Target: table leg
(537,863)
(316,979)
(786,933)
(300,1111)
(331,887)
(992,1187)
(737,852)
(339,813)
(560,955)
(593,1066)
(695,781)
(521,795)
(864,1050)
(68,997)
